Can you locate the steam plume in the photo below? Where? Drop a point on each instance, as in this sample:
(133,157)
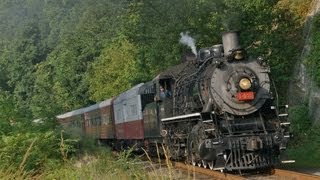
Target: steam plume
(189,41)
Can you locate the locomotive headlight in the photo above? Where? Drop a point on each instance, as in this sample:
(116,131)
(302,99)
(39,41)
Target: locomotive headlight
(245,84)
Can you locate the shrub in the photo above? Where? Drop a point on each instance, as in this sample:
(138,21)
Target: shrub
(32,152)
(300,119)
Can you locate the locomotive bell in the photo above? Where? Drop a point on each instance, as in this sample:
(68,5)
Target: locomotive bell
(238,55)
(230,42)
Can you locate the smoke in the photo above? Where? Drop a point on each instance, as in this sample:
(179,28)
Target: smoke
(189,41)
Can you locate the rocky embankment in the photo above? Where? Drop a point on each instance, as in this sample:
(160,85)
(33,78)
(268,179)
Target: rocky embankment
(302,89)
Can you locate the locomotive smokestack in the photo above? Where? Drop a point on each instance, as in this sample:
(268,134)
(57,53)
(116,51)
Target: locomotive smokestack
(230,42)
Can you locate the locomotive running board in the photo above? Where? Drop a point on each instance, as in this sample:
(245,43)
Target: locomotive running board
(182,117)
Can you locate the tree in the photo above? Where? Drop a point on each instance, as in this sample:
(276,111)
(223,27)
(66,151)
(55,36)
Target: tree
(114,70)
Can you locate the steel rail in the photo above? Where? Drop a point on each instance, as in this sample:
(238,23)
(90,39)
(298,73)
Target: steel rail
(275,174)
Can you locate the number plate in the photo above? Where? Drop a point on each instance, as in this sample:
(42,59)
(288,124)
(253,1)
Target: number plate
(245,96)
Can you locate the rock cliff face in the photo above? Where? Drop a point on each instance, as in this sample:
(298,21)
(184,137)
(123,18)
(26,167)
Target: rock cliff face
(302,88)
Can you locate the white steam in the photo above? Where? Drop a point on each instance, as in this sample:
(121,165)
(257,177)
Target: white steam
(189,41)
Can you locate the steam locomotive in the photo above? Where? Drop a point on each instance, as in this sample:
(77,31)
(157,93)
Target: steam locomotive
(219,110)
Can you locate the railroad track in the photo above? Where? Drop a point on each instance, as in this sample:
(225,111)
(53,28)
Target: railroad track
(213,174)
(294,175)
(276,174)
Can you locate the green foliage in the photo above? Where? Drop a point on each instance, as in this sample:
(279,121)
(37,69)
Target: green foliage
(100,165)
(87,144)
(305,149)
(306,139)
(84,33)
(300,8)
(300,119)
(155,28)
(7,112)
(114,71)
(28,151)
(44,91)
(10,118)
(68,146)
(312,60)
(27,147)
(34,150)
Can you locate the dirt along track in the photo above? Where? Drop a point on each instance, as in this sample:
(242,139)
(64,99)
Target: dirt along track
(276,174)
(294,175)
(208,172)
(163,170)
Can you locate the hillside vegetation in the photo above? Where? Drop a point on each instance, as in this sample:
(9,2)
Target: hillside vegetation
(60,55)
(312,60)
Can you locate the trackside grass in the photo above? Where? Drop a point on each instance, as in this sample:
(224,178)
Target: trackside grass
(100,163)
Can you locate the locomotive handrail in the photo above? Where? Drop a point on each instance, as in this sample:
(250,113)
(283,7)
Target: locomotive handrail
(182,116)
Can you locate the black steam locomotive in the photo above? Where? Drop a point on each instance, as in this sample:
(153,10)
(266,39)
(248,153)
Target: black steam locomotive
(218,109)
(222,110)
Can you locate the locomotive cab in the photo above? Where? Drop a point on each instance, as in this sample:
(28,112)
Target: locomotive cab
(156,104)
(164,95)
(164,90)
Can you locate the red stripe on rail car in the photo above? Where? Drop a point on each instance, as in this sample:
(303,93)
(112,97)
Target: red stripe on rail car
(130,130)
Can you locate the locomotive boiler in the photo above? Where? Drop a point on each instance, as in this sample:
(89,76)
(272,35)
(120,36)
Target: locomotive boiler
(223,112)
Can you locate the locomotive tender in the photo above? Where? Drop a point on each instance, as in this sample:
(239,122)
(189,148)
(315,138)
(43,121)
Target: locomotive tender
(221,112)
